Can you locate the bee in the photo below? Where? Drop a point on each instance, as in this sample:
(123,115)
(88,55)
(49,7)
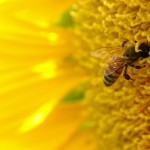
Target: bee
(119,64)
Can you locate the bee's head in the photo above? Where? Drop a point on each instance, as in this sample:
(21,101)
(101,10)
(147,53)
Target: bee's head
(130,54)
(145,50)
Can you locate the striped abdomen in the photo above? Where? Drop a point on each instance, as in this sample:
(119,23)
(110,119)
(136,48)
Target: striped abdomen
(113,71)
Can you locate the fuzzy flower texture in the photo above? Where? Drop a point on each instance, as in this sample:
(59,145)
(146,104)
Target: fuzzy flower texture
(121,112)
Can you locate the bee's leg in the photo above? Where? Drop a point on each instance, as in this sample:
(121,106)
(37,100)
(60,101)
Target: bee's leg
(136,67)
(125,75)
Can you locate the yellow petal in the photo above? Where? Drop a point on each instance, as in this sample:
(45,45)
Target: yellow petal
(34,76)
(54,133)
(38,117)
(81,139)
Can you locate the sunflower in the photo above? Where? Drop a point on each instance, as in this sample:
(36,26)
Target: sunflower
(121,112)
(48,76)
(41,83)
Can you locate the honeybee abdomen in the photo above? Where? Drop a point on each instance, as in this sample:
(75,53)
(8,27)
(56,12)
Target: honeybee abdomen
(111,78)
(113,70)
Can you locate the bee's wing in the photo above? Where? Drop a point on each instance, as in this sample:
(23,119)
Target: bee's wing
(106,53)
(102,69)
(103,72)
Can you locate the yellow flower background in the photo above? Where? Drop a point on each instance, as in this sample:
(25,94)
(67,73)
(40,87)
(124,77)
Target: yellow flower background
(48,77)
(36,72)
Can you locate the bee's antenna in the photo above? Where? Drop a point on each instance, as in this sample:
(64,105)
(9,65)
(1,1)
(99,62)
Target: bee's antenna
(123,43)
